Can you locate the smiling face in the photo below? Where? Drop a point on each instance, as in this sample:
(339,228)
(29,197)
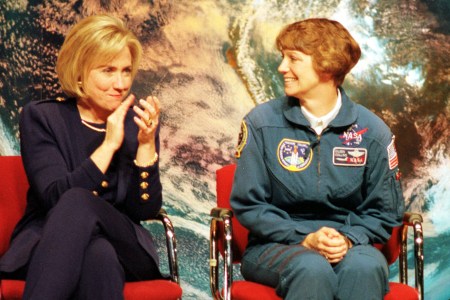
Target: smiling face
(106,85)
(300,78)
(333,50)
(94,41)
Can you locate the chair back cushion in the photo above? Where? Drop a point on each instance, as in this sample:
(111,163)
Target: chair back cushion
(13,190)
(224,184)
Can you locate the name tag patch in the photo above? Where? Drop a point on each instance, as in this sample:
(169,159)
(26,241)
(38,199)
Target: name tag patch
(349,157)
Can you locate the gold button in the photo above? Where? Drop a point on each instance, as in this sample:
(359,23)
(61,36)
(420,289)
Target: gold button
(144,175)
(145,196)
(95,193)
(104,184)
(144,185)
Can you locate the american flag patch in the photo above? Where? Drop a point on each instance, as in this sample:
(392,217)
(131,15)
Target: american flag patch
(392,154)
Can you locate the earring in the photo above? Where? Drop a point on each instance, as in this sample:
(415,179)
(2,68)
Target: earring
(80,83)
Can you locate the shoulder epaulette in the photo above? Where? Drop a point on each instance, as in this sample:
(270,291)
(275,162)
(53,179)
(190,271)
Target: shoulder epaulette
(57,99)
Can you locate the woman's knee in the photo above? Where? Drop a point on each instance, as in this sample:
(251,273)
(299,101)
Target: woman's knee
(76,195)
(253,271)
(364,261)
(290,269)
(75,201)
(363,269)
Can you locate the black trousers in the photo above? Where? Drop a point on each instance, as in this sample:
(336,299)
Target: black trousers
(87,251)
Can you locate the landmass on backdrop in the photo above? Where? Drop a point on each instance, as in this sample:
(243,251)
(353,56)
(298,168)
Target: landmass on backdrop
(211,61)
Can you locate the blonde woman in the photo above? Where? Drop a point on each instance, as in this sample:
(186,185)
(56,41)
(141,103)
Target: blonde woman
(92,163)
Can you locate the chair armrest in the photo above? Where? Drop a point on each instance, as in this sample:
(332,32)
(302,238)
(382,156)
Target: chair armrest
(413,220)
(221,213)
(171,244)
(409,218)
(221,228)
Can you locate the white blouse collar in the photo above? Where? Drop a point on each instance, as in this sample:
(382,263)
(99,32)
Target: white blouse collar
(319,124)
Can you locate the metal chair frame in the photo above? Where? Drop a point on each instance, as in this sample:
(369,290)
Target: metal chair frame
(171,244)
(223,217)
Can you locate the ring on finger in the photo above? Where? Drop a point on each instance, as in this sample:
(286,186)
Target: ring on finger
(149,122)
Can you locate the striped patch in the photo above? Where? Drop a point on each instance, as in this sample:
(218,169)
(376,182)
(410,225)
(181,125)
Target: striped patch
(392,154)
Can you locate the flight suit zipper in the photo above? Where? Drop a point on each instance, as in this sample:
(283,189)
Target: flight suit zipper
(319,136)
(318,162)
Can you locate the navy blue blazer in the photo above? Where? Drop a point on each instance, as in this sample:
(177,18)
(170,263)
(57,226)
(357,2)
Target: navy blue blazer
(55,158)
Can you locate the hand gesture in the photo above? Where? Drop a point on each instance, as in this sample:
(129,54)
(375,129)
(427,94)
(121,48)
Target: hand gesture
(115,124)
(147,119)
(329,243)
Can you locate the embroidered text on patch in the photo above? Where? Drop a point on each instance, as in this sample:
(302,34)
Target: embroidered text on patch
(353,136)
(349,157)
(294,155)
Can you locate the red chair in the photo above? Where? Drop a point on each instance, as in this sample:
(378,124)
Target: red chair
(13,188)
(229,237)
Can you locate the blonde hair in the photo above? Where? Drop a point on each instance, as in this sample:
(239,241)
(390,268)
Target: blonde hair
(334,51)
(93,41)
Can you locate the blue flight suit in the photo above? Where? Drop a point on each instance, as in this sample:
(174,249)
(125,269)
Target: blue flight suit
(290,182)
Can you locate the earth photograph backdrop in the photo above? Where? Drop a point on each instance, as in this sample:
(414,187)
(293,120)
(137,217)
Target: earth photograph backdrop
(211,61)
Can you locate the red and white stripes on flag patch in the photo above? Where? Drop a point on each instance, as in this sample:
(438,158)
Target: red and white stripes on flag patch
(392,154)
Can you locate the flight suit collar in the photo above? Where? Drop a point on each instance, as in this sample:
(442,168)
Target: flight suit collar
(347,114)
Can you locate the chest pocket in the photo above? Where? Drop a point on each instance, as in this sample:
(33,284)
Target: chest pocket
(303,174)
(342,175)
(291,163)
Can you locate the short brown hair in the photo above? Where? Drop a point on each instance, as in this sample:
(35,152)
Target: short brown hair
(93,41)
(334,51)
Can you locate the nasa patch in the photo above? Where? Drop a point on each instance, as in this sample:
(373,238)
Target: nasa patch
(353,136)
(294,155)
(349,157)
(242,139)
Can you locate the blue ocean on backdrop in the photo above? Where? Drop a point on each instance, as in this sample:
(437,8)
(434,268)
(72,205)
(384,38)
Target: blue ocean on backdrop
(211,61)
